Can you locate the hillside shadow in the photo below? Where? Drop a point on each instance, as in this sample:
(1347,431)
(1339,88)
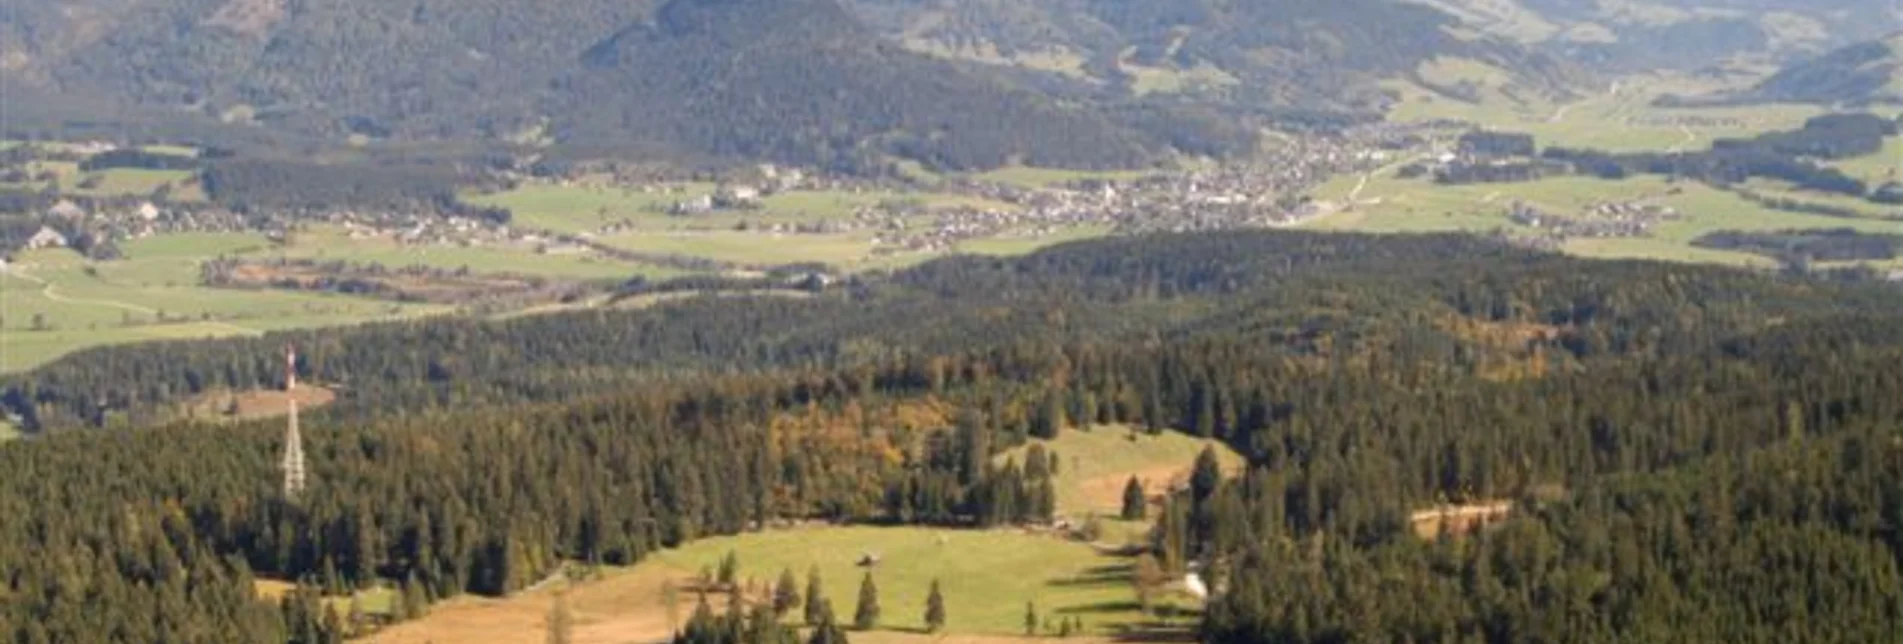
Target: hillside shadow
(1118,606)
(1155,631)
(1096,576)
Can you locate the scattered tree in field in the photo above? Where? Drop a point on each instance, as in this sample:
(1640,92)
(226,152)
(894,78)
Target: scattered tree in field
(1030,619)
(671,599)
(865,616)
(826,630)
(935,609)
(729,566)
(1135,506)
(1149,577)
(816,604)
(560,621)
(1205,477)
(786,595)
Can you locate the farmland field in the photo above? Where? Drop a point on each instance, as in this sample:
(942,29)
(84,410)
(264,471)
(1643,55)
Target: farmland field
(576,209)
(1389,204)
(751,247)
(53,302)
(1617,118)
(327,243)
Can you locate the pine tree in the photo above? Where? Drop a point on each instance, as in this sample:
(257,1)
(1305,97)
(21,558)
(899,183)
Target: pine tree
(1030,619)
(815,601)
(935,609)
(1135,506)
(786,595)
(865,616)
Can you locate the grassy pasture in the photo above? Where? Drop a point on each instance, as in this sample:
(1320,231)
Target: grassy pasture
(1621,120)
(577,209)
(135,182)
(1022,244)
(987,576)
(328,243)
(845,249)
(1094,464)
(1395,205)
(1875,169)
(85,304)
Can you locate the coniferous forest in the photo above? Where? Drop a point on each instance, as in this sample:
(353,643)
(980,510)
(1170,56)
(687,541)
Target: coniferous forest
(1692,453)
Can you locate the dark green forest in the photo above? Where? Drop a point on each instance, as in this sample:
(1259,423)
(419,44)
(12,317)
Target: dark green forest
(1694,453)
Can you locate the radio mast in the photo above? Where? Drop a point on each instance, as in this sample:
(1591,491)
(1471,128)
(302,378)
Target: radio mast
(293,441)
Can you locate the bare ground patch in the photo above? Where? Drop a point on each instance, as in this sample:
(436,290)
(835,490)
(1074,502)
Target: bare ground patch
(1459,520)
(257,403)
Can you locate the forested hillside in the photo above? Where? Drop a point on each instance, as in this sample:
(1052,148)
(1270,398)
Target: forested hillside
(1695,453)
(1861,74)
(795,81)
(1683,34)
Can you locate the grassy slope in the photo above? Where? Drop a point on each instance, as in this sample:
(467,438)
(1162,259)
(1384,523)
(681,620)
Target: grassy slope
(1622,121)
(1886,165)
(987,576)
(1095,464)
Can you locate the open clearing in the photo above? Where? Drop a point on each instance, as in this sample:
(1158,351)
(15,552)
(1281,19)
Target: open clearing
(1095,464)
(256,404)
(986,576)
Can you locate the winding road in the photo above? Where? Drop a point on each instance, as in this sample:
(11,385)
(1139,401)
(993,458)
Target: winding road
(50,291)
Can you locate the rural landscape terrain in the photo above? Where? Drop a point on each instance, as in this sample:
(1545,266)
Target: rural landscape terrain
(910,321)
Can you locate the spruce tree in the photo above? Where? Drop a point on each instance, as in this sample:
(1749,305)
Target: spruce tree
(1135,506)
(935,609)
(816,603)
(786,595)
(826,629)
(865,616)
(729,566)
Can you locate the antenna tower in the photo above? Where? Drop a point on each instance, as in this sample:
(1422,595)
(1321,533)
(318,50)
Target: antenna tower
(293,441)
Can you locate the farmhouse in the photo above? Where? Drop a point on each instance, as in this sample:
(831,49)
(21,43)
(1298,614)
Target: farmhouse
(46,238)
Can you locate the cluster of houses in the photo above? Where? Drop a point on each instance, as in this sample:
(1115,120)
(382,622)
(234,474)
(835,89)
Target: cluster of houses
(1604,219)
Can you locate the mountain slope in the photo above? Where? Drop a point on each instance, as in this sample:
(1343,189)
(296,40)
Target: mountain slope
(1316,55)
(1638,34)
(801,80)
(1860,74)
(1081,82)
